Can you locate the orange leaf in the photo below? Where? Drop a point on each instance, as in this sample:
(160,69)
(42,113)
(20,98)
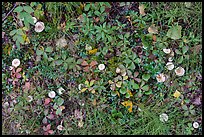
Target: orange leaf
(141,9)
(86,69)
(154,37)
(93,51)
(18,69)
(84,63)
(128,104)
(93,63)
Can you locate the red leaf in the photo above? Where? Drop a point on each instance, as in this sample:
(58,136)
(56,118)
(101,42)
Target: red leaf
(18,75)
(46,133)
(44,128)
(50,116)
(18,69)
(47,101)
(93,63)
(84,63)
(48,126)
(27,86)
(50,131)
(86,69)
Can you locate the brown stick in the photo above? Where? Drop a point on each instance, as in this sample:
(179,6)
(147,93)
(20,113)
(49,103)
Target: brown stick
(9,12)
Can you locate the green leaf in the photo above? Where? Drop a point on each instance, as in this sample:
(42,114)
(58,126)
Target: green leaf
(39,52)
(18,9)
(13,32)
(113,93)
(49,49)
(58,62)
(180,59)
(23,15)
(123,90)
(174,32)
(60,101)
(145,77)
(145,88)
(185,49)
(97,13)
(59,111)
(28,9)
(19,32)
(29,19)
(127,61)
(132,66)
(102,9)
(135,86)
(185,107)
(55,106)
(20,39)
(178,52)
(70,60)
(65,65)
(45,56)
(87,6)
(127,95)
(138,60)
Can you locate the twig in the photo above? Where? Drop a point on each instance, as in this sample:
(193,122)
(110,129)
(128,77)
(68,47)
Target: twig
(9,12)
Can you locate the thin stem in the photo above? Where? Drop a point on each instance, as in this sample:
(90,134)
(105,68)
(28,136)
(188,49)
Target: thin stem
(10,11)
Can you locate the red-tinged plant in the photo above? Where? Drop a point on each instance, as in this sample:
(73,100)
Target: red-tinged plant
(15,74)
(47,129)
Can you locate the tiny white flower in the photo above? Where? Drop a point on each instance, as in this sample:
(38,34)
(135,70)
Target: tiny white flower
(160,77)
(163,117)
(170,66)
(179,71)
(16,63)
(51,94)
(30,98)
(167,51)
(11,67)
(60,90)
(60,127)
(170,59)
(81,123)
(6,104)
(34,19)
(80,86)
(123,73)
(172,53)
(101,66)
(195,125)
(87,47)
(39,26)
(61,43)
(117,70)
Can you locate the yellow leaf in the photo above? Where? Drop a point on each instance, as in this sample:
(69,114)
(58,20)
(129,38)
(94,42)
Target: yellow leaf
(118,93)
(94,102)
(87,83)
(93,51)
(130,92)
(141,9)
(118,84)
(177,94)
(110,82)
(125,77)
(93,91)
(152,29)
(84,89)
(128,104)
(62,107)
(92,82)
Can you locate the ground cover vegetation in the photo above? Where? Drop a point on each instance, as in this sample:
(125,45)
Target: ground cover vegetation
(102,68)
